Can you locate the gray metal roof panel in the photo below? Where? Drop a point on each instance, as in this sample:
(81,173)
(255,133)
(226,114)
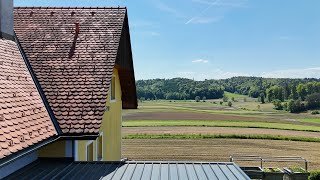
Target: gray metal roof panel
(59,169)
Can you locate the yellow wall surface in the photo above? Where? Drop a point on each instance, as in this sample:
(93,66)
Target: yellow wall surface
(110,128)
(55,149)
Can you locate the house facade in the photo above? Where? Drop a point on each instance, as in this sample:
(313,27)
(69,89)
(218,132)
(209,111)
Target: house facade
(66,75)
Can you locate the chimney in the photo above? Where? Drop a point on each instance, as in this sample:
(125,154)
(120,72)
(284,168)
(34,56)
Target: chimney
(6,19)
(77,29)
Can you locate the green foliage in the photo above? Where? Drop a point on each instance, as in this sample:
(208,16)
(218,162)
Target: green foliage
(181,88)
(229,103)
(225,98)
(314,175)
(295,106)
(204,99)
(315,112)
(275,93)
(233,99)
(313,101)
(277,104)
(197,98)
(261,98)
(221,102)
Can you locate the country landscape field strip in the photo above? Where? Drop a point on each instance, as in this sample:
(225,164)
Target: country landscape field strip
(213,136)
(216,123)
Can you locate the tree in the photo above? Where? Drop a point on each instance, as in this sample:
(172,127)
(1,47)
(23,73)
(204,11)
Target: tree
(302,91)
(197,98)
(277,104)
(313,101)
(229,103)
(225,98)
(261,98)
(204,99)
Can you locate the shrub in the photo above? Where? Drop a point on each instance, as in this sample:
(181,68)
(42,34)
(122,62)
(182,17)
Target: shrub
(277,104)
(315,112)
(233,99)
(244,99)
(197,98)
(204,99)
(229,103)
(314,175)
(221,102)
(225,98)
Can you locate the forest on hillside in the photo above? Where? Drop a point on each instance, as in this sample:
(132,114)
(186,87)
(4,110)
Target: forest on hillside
(276,90)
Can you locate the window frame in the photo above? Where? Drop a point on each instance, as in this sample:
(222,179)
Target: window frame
(87,145)
(113,89)
(97,147)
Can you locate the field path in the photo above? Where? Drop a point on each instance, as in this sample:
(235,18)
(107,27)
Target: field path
(217,130)
(219,150)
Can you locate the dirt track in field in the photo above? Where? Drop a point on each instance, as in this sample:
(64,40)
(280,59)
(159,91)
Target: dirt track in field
(217,130)
(219,150)
(203,116)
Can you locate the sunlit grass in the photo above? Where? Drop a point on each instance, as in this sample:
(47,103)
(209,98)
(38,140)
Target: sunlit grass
(310,120)
(212,136)
(223,123)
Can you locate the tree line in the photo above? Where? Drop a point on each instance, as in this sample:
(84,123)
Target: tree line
(283,92)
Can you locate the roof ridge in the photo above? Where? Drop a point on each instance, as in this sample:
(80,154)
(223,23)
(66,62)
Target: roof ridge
(70,7)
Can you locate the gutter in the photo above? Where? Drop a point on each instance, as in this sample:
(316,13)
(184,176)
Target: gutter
(24,152)
(37,84)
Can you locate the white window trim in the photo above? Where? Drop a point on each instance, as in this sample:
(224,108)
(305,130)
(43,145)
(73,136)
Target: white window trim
(113,100)
(97,145)
(87,144)
(76,150)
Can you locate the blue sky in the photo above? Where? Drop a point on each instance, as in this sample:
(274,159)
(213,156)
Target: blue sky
(213,39)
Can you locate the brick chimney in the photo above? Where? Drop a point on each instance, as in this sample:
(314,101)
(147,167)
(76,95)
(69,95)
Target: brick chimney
(6,19)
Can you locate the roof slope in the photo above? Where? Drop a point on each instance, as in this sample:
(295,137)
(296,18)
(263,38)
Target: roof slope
(24,120)
(55,169)
(73,70)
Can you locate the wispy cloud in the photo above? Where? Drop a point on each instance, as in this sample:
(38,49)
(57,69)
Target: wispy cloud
(205,20)
(222,74)
(202,12)
(168,9)
(200,61)
(294,73)
(154,33)
(219,4)
(225,3)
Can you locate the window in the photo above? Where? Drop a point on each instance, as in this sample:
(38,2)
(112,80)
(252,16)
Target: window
(90,151)
(99,147)
(113,88)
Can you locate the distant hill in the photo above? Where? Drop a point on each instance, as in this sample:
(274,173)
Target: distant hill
(182,88)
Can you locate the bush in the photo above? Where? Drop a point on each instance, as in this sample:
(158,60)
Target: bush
(233,99)
(315,112)
(229,103)
(221,102)
(204,99)
(225,98)
(314,175)
(277,104)
(197,98)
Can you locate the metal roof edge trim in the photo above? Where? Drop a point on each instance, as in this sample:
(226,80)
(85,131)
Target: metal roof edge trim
(39,89)
(26,151)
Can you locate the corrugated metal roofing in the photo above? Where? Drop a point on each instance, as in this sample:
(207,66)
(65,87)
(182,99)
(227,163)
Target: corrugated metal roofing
(133,170)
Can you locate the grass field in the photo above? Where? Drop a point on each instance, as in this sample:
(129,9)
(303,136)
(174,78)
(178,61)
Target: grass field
(253,126)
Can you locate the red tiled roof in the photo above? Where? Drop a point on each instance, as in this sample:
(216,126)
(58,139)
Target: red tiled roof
(24,120)
(73,70)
